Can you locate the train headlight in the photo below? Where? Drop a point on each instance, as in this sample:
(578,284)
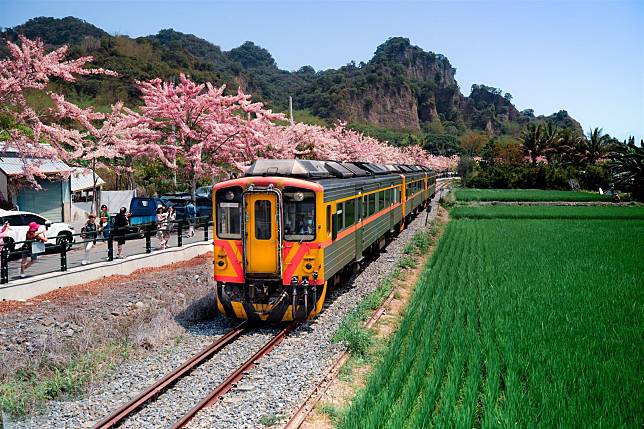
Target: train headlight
(298,196)
(230,196)
(221,264)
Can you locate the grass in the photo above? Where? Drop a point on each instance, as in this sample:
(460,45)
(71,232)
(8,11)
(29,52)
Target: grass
(537,195)
(518,323)
(30,388)
(269,420)
(334,413)
(548,212)
(351,331)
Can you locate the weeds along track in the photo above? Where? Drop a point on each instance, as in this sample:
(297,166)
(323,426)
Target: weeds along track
(147,397)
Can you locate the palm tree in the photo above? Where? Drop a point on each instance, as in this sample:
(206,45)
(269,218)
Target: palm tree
(627,166)
(550,141)
(596,146)
(569,143)
(532,139)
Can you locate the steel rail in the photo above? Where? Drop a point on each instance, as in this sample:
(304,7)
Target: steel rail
(299,416)
(160,386)
(228,383)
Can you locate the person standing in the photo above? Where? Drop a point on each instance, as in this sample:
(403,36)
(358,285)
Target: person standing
(35,238)
(104,216)
(4,231)
(89,232)
(191,214)
(121,223)
(162,227)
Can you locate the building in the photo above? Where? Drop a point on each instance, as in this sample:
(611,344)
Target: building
(53,201)
(82,184)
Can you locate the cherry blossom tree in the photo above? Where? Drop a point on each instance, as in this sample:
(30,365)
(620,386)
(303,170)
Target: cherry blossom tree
(212,131)
(95,138)
(27,68)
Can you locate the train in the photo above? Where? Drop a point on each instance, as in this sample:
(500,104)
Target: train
(289,230)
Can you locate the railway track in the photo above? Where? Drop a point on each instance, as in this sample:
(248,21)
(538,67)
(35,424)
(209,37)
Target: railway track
(147,397)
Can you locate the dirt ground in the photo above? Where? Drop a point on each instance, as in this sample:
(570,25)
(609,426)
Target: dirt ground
(355,372)
(148,307)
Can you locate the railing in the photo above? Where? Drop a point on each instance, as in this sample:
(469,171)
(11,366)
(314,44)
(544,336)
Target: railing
(75,243)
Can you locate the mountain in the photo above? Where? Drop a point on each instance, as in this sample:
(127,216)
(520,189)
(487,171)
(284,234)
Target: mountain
(402,88)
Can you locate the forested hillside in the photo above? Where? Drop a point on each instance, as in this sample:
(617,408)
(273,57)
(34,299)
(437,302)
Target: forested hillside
(402,90)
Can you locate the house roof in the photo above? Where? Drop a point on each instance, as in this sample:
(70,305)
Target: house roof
(82,179)
(13,166)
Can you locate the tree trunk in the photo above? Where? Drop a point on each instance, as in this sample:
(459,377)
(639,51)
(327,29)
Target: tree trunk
(193,188)
(94,180)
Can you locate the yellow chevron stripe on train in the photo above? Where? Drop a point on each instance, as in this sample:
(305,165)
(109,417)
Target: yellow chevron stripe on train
(289,230)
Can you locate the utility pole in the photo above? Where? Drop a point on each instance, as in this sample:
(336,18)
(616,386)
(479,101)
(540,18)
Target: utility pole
(290,108)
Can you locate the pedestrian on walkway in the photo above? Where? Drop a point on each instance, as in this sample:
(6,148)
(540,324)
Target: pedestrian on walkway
(4,231)
(162,227)
(119,230)
(191,214)
(35,245)
(89,232)
(104,216)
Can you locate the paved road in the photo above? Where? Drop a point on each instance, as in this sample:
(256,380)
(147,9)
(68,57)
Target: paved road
(51,262)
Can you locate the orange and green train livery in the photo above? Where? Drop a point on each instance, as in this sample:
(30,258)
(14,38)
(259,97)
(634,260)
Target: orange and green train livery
(289,229)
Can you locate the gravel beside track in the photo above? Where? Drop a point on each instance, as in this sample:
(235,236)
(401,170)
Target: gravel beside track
(272,389)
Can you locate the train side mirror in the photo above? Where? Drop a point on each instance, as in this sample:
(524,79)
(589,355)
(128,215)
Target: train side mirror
(334,227)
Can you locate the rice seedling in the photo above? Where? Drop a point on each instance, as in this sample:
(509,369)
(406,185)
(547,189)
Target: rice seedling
(518,322)
(549,212)
(466,194)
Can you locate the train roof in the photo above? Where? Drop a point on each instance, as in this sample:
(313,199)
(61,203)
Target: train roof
(314,169)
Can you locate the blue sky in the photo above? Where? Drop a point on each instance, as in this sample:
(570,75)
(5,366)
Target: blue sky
(584,57)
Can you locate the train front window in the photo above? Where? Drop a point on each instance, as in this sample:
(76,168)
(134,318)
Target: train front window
(299,215)
(228,213)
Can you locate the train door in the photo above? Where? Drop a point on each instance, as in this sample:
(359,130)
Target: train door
(261,244)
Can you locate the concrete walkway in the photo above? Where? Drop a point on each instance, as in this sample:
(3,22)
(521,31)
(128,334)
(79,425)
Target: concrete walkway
(45,275)
(51,262)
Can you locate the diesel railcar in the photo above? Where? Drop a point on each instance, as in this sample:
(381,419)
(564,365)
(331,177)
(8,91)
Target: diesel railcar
(288,229)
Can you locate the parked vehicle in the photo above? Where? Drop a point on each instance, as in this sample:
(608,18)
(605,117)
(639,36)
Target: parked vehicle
(204,207)
(204,191)
(20,220)
(143,211)
(178,201)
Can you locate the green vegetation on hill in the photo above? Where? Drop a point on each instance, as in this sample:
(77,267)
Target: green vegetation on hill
(500,333)
(420,86)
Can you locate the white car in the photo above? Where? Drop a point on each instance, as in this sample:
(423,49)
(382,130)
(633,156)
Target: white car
(19,225)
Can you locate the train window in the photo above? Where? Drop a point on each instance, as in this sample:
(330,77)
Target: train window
(328,219)
(339,214)
(350,213)
(394,195)
(228,212)
(387,197)
(381,200)
(372,204)
(299,215)
(263,220)
(364,212)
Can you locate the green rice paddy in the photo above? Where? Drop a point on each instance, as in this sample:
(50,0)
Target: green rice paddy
(539,195)
(518,323)
(548,212)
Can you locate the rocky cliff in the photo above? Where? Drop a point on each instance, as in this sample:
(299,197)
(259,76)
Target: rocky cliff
(403,87)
